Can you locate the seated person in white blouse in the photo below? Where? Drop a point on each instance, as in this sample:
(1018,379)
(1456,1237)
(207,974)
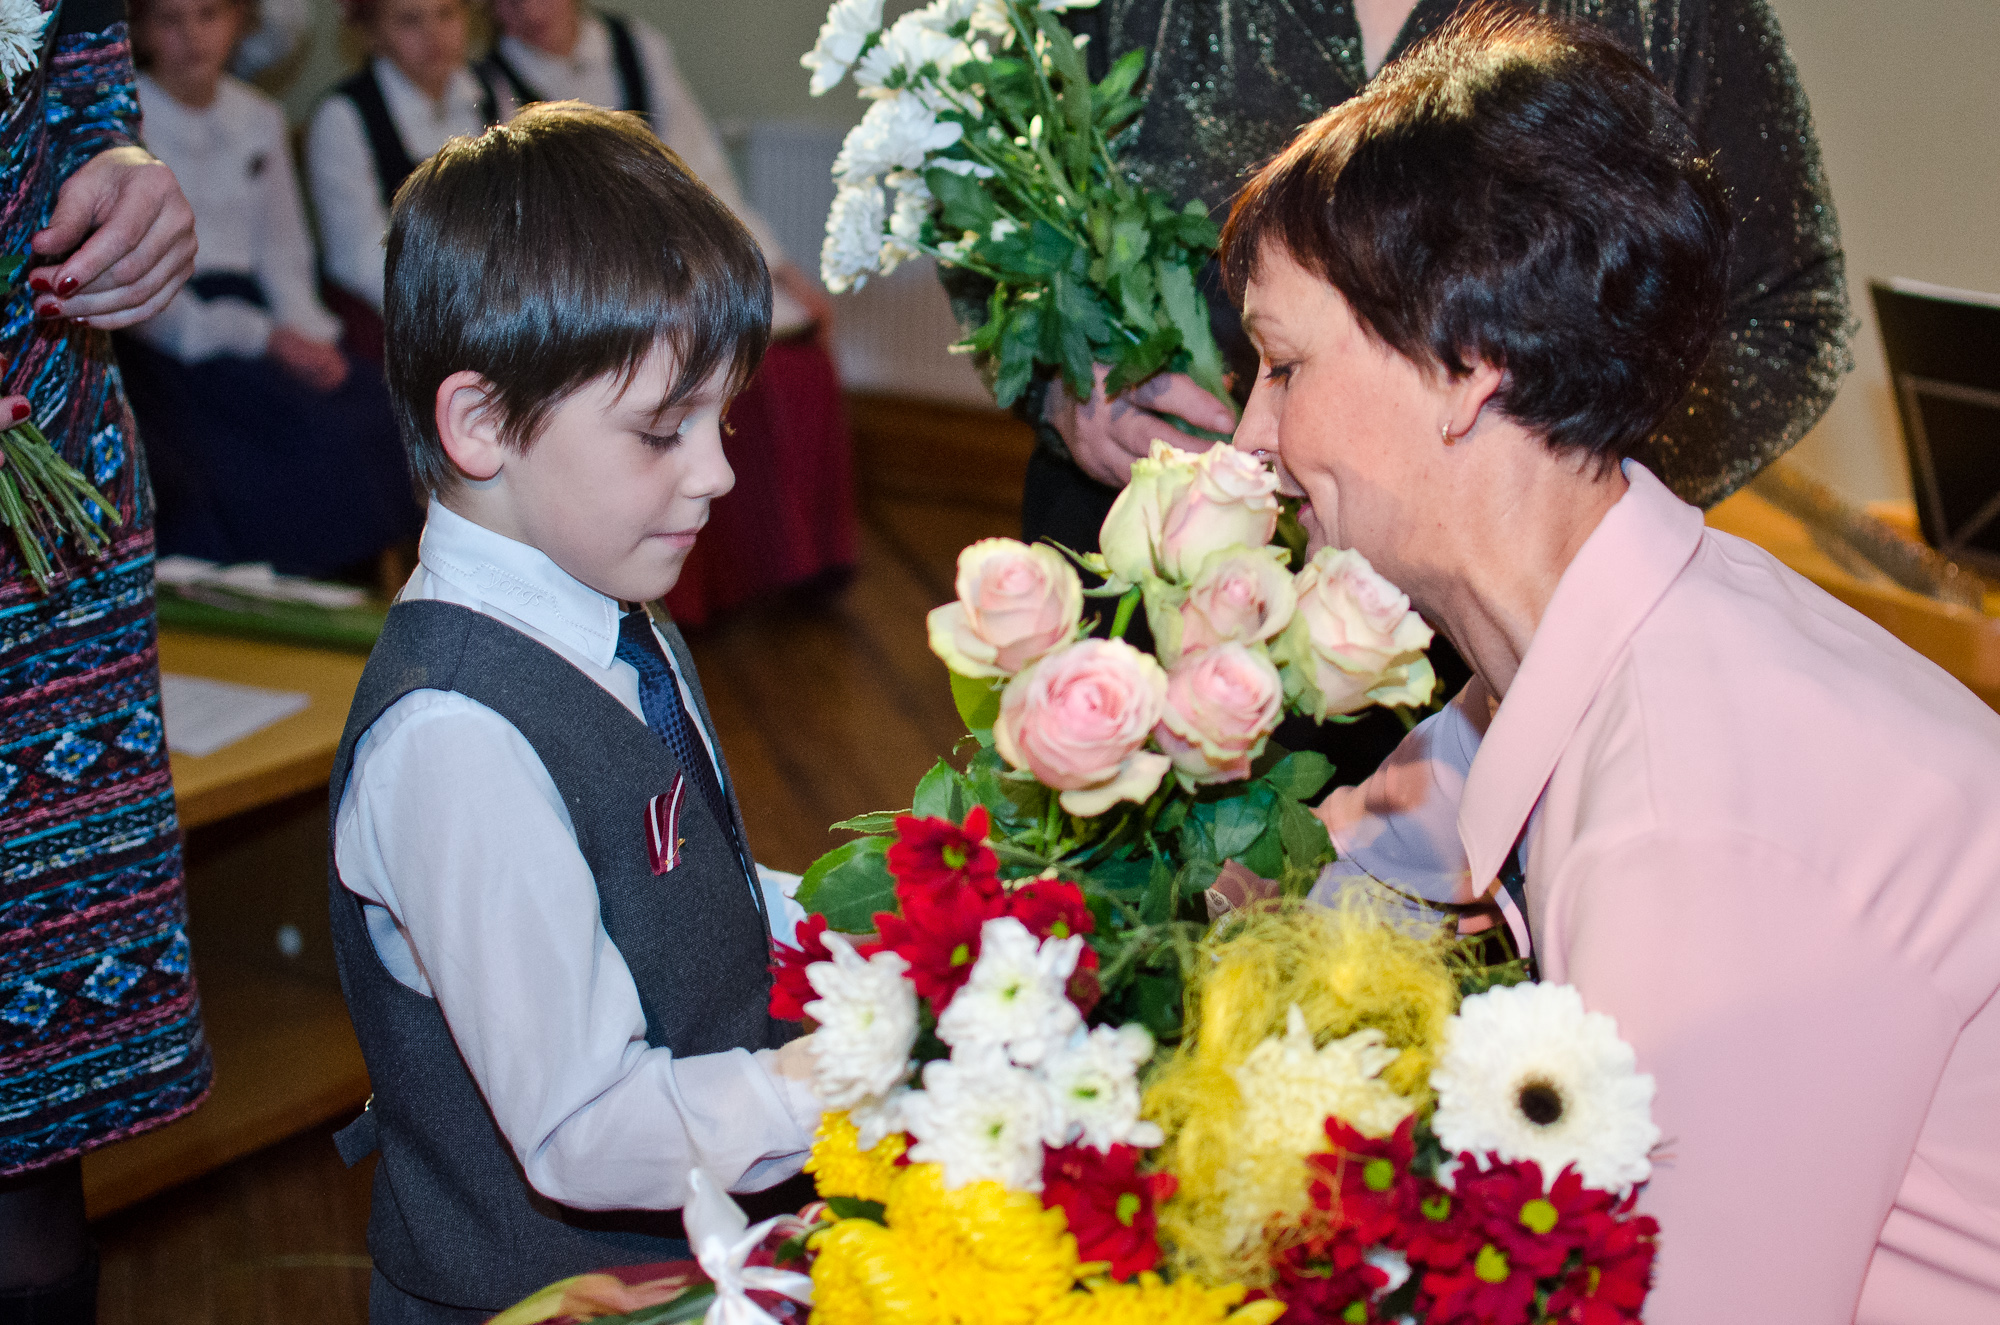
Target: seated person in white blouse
(266,441)
(416,90)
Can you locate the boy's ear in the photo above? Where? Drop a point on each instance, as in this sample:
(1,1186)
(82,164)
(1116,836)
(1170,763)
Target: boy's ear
(468,428)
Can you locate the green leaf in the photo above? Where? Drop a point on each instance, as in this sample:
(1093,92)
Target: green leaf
(1051,245)
(1129,239)
(849,884)
(853,1207)
(1239,821)
(1158,907)
(1307,844)
(1124,75)
(1158,1003)
(1300,774)
(1141,361)
(978,701)
(692,1304)
(1017,354)
(1188,313)
(967,205)
(878,821)
(938,794)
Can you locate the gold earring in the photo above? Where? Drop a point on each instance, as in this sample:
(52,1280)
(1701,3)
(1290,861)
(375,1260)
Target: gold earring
(1445,432)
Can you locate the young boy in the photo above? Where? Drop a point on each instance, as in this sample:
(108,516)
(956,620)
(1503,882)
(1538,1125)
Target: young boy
(550,933)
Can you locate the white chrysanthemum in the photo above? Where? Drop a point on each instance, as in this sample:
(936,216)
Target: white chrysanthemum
(906,219)
(897,133)
(21,25)
(853,246)
(1094,1085)
(1528,1074)
(1015,998)
(848,26)
(879,1115)
(980,1117)
(918,39)
(867,1015)
(1289,1090)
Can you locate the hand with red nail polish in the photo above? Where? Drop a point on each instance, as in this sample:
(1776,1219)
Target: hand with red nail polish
(48,310)
(66,286)
(39,282)
(16,408)
(132,235)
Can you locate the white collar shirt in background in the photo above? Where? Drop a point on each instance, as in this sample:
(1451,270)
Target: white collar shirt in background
(590,74)
(340,168)
(233,163)
(476,894)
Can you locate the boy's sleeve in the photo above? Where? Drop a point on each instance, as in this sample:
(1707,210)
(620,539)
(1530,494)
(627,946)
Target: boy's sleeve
(452,824)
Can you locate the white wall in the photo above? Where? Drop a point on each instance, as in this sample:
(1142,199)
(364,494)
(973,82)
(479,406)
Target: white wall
(1905,96)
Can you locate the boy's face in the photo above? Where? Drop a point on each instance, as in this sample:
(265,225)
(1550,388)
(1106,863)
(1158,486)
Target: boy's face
(614,487)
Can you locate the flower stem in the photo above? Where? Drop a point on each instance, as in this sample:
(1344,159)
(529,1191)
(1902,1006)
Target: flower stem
(1126,606)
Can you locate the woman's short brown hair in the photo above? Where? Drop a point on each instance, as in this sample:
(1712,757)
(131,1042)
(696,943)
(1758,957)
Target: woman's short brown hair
(549,251)
(1517,190)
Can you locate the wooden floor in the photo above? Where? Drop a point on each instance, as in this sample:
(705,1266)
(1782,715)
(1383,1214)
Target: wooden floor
(827,706)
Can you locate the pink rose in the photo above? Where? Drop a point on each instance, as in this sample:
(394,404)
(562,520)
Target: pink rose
(1078,720)
(1221,704)
(1015,603)
(1179,508)
(1354,633)
(1240,595)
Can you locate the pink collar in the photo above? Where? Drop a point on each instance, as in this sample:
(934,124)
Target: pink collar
(1619,574)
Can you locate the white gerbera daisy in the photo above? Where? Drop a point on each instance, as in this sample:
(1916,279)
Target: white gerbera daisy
(1016,997)
(1528,1074)
(1094,1085)
(21,25)
(867,1015)
(979,1117)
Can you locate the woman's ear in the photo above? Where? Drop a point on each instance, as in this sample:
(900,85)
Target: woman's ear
(468,427)
(1468,396)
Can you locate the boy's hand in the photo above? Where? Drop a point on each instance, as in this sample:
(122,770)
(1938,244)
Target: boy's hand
(794,1060)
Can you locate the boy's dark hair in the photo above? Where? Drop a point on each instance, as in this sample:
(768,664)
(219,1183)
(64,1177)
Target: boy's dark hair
(552,250)
(1516,190)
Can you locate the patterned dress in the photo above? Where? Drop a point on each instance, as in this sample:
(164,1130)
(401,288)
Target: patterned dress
(100,1029)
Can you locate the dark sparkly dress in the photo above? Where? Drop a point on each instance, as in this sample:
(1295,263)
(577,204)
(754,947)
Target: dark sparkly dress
(100,1030)
(1229,84)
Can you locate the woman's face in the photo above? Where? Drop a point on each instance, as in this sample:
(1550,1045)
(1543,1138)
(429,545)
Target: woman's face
(188,42)
(423,38)
(549,25)
(1357,427)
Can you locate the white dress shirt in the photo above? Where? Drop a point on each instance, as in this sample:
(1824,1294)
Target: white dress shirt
(589,74)
(234,166)
(453,833)
(340,168)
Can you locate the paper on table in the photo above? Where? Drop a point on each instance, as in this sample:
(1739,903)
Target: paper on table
(203,716)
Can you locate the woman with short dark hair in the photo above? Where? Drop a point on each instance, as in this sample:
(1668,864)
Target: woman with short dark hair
(1741,819)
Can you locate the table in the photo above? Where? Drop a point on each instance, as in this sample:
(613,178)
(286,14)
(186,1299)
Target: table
(285,1054)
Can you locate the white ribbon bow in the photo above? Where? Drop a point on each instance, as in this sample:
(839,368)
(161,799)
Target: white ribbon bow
(719,1231)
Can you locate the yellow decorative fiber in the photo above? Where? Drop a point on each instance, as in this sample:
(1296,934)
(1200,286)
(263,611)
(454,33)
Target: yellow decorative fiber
(841,1168)
(1346,970)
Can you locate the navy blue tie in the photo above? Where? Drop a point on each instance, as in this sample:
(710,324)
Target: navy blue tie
(660,700)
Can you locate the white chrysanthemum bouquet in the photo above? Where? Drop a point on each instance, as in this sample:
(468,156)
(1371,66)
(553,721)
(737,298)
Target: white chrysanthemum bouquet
(987,147)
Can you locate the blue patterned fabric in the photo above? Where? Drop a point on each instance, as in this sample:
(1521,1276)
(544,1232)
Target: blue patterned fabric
(100,1026)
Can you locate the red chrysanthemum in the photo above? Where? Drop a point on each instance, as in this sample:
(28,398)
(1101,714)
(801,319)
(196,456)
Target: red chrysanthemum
(1326,1278)
(1110,1205)
(1050,908)
(1538,1228)
(1617,1271)
(1364,1184)
(938,935)
(937,854)
(790,990)
(1488,1289)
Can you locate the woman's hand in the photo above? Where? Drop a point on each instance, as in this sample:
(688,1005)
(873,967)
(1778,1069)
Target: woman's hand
(1105,437)
(140,245)
(319,365)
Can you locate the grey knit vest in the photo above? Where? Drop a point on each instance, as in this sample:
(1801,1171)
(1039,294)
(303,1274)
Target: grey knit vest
(453,1219)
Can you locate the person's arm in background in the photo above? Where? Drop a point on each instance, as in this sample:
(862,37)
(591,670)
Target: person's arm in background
(1784,347)
(120,227)
(305,338)
(340,171)
(685,127)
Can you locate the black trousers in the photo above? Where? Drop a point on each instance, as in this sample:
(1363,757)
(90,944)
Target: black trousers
(1061,502)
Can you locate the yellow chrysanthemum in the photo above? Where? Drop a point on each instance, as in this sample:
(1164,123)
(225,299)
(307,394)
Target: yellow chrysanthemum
(1149,1301)
(979,1253)
(841,1168)
(1345,971)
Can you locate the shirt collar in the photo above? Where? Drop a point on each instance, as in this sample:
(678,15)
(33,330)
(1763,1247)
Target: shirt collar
(520,581)
(411,101)
(592,53)
(1612,585)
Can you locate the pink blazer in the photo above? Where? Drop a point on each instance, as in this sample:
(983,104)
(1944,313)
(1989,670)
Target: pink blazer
(1765,836)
